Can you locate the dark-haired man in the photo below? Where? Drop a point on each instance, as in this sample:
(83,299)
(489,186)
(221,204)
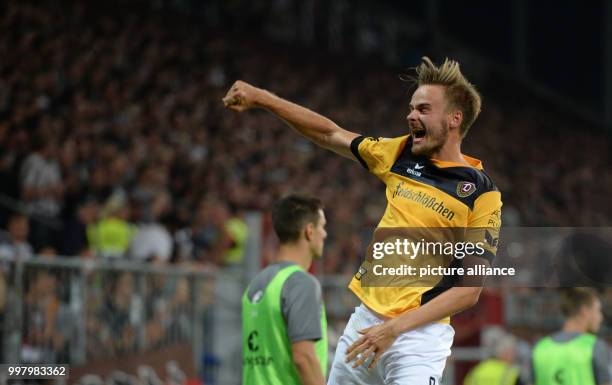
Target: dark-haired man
(574,355)
(283,317)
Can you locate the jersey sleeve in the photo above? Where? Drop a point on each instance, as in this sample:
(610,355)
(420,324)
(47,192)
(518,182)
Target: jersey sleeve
(484,222)
(301,305)
(377,155)
(601,362)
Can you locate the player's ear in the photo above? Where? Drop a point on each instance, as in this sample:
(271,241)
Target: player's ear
(309,230)
(455,118)
(585,311)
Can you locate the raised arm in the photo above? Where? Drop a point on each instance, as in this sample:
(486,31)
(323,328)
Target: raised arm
(319,129)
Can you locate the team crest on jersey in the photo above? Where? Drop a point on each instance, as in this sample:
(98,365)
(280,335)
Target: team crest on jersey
(465,189)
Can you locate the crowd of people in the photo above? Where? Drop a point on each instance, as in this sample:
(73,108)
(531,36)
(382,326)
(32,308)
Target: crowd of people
(121,316)
(114,139)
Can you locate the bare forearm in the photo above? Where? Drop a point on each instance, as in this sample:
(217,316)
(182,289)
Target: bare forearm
(452,301)
(309,123)
(316,127)
(307,363)
(377,339)
(310,372)
(321,130)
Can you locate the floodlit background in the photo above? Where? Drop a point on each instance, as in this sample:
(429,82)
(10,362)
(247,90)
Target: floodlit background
(133,206)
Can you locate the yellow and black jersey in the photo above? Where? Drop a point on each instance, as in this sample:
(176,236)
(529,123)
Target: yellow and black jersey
(425,193)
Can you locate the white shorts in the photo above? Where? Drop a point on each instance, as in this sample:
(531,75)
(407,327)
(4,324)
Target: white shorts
(417,357)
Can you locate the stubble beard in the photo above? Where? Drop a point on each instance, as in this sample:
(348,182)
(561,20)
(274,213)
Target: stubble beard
(438,141)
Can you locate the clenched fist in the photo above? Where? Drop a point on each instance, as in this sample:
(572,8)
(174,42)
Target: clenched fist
(241,96)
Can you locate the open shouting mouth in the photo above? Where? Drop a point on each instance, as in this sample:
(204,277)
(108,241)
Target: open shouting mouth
(418,134)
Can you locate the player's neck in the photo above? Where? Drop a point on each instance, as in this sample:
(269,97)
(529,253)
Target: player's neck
(575,326)
(295,253)
(450,152)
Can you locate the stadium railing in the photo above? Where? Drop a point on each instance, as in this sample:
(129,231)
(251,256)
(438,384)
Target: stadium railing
(91,313)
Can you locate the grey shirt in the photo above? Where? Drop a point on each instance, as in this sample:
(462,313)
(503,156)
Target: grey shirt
(601,356)
(301,301)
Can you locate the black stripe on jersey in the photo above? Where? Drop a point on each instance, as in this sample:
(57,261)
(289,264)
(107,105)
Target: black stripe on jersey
(432,293)
(447,179)
(445,283)
(449,281)
(355,150)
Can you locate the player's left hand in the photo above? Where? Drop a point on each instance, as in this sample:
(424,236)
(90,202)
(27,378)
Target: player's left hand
(375,340)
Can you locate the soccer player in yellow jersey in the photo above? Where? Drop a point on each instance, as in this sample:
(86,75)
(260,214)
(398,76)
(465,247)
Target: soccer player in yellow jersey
(402,335)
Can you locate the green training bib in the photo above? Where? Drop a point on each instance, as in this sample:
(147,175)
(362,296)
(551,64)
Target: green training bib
(266,351)
(564,363)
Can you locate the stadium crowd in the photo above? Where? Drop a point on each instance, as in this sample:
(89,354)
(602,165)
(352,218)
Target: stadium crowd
(114,143)
(111,126)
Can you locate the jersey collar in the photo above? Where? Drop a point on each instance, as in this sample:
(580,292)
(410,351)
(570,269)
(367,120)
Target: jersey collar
(473,162)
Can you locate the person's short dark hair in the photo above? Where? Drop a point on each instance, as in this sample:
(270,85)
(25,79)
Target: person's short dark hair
(572,299)
(291,213)
(17,216)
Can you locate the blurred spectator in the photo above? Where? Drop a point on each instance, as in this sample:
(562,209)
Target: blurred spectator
(41,186)
(44,340)
(179,307)
(238,233)
(47,251)
(111,236)
(207,239)
(14,243)
(74,239)
(14,247)
(500,369)
(168,311)
(153,241)
(114,326)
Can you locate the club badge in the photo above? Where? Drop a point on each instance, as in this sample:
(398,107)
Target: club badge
(465,189)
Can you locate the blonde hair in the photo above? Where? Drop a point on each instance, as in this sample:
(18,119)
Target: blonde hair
(460,93)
